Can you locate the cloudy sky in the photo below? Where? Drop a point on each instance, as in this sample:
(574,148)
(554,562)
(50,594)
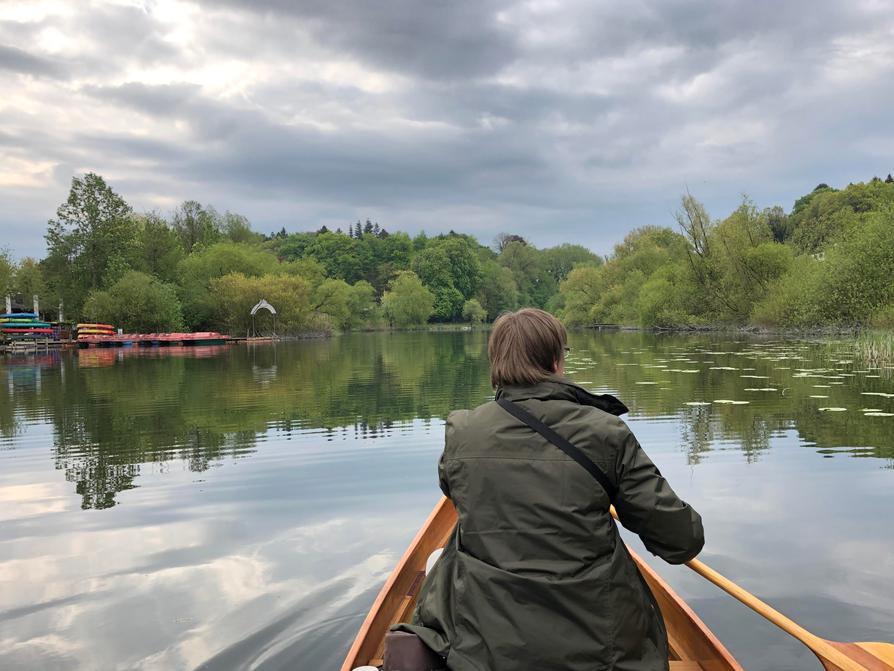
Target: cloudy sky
(561,120)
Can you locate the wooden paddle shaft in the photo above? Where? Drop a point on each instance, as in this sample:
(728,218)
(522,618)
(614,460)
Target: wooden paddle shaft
(819,646)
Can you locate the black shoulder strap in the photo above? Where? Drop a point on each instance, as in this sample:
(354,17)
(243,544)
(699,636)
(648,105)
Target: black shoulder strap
(566,446)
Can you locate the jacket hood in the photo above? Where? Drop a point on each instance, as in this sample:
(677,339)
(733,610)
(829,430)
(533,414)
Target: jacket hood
(561,388)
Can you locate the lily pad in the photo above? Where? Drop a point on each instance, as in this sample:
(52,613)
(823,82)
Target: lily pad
(832,409)
(698,403)
(878,414)
(760,389)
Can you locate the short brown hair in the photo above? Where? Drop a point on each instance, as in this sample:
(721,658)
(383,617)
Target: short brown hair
(524,347)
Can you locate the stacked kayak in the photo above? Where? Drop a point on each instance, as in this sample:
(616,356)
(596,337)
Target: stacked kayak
(85,331)
(24,326)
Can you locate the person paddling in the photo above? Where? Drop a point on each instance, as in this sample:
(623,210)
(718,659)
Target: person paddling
(536,575)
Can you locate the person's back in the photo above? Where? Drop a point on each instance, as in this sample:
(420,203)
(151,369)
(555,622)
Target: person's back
(536,575)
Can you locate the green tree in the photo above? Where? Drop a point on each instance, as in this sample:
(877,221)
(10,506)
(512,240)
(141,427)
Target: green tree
(827,215)
(345,306)
(610,294)
(789,300)
(473,312)
(733,261)
(7,272)
(308,268)
(160,249)
(233,295)
(389,255)
(407,302)
(450,268)
(332,299)
(856,278)
(498,291)
(91,242)
(535,283)
(237,228)
(343,258)
(465,268)
(137,303)
(196,225)
(361,305)
(196,271)
(561,260)
(29,282)
(668,297)
(292,246)
(432,266)
(582,292)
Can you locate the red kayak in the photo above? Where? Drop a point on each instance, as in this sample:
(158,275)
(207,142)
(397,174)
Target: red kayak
(26,330)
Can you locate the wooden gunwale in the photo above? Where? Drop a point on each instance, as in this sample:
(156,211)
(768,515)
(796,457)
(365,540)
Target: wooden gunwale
(692,645)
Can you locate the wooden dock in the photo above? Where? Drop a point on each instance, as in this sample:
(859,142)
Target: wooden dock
(153,340)
(31,346)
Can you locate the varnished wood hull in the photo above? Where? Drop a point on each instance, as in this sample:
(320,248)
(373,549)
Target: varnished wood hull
(692,645)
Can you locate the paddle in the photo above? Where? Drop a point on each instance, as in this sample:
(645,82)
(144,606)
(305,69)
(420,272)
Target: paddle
(834,655)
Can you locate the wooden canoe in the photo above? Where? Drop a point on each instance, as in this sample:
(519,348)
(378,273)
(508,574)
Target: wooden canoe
(693,647)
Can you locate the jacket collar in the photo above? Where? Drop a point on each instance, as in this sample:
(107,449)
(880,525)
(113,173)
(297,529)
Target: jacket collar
(561,388)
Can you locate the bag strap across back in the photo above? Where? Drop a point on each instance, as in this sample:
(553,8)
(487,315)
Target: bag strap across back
(566,446)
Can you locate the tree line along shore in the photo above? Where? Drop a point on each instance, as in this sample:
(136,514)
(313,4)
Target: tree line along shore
(827,262)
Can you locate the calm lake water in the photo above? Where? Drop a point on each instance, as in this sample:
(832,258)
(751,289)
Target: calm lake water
(237,508)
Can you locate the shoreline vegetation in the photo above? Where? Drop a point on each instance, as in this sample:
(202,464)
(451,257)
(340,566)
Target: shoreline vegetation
(822,267)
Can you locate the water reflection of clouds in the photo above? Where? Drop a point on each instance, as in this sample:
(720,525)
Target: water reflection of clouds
(172,578)
(18,502)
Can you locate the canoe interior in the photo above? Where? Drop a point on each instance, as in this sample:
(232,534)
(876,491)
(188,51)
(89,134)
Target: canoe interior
(693,646)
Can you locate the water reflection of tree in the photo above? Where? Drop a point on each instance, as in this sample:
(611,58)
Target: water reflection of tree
(109,421)
(747,428)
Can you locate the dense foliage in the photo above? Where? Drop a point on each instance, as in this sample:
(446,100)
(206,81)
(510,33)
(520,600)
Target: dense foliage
(107,263)
(826,262)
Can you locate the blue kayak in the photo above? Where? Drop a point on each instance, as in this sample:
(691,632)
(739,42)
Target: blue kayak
(19,315)
(24,325)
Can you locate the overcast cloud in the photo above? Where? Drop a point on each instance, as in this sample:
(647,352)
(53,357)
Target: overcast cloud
(563,121)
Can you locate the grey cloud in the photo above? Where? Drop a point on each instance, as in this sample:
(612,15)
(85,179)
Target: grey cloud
(441,40)
(161,100)
(577,121)
(125,33)
(20,61)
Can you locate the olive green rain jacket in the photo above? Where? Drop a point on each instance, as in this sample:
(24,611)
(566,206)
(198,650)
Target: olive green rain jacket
(536,576)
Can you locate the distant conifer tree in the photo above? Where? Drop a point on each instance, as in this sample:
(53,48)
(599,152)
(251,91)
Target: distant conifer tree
(889,180)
